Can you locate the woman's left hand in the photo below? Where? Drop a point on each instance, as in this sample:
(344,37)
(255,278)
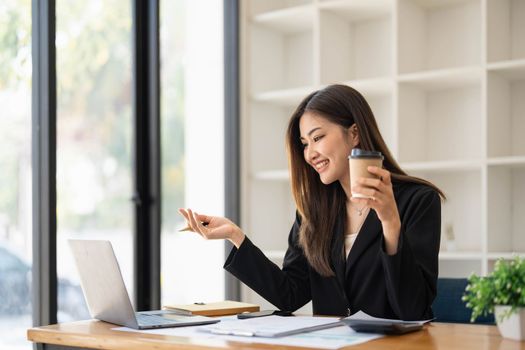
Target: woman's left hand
(382,201)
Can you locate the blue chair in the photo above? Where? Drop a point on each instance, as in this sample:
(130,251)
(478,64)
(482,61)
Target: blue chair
(448,306)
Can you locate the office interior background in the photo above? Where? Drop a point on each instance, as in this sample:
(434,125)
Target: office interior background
(445,79)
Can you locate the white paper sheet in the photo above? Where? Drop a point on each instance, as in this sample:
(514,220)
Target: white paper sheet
(272,326)
(332,338)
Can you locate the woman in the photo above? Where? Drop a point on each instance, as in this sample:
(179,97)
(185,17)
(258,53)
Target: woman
(377,254)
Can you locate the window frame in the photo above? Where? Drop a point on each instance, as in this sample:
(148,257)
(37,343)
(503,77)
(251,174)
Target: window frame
(43,140)
(232,193)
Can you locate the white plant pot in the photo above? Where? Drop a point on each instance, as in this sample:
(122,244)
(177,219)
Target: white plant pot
(512,327)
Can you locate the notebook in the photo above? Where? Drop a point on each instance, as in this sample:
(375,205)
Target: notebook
(106,295)
(220,308)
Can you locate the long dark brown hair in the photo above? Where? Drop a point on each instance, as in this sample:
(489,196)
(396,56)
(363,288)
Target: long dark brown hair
(320,205)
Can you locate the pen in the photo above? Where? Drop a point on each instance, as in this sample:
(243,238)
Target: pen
(187,228)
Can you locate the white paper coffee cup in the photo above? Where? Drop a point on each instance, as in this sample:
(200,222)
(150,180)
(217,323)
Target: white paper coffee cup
(359,161)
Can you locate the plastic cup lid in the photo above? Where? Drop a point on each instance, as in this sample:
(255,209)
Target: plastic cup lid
(361,153)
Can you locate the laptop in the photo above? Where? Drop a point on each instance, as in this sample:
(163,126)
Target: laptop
(106,295)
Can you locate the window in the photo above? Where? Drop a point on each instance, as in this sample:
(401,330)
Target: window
(192,146)
(94,106)
(15,174)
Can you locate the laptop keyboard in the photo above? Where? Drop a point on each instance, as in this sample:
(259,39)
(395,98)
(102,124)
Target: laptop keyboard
(151,320)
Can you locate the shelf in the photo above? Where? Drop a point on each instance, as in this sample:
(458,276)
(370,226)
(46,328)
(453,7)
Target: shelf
(436,4)
(438,34)
(445,255)
(373,87)
(260,7)
(505,255)
(289,20)
(444,166)
(443,79)
(510,70)
(288,97)
(358,10)
(452,269)
(505,28)
(517,162)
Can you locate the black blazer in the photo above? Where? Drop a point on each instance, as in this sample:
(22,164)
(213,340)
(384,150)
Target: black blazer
(400,286)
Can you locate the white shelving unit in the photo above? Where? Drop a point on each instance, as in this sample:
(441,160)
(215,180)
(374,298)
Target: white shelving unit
(446,82)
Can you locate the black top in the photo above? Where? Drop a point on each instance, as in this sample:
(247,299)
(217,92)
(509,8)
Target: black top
(400,286)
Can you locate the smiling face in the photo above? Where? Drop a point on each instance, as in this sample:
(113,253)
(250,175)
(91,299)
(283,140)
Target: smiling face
(327,146)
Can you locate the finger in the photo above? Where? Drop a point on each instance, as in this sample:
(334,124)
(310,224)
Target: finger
(200,225)
(186,218)
(383,174)
(365,191)
(183,213)
(369,182)
(193,222)
(204,218)
(372,193)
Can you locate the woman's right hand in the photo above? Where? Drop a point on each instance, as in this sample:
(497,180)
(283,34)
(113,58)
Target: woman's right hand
(217,227)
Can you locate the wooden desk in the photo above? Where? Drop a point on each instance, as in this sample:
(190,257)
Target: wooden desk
(97,334)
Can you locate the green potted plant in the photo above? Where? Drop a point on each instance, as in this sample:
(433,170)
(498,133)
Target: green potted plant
(502,292)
